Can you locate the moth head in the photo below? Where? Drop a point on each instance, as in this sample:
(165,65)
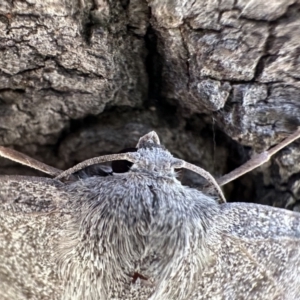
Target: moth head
(148,139)
(151,157)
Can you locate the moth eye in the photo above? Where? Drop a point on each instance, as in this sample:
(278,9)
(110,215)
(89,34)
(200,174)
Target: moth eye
(122,166)
(94,170)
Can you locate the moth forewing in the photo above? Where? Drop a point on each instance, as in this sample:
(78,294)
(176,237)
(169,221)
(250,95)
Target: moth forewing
(30,228)
(270,237)
(29,194)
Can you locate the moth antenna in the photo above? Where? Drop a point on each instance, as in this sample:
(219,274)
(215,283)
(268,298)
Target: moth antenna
(28,161)
(98,160)
(204,174)
(257,160)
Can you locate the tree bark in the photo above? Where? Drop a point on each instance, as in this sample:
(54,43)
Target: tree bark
(218,80)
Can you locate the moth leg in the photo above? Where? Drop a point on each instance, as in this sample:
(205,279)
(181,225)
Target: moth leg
(28,161)
(257,160)
(26,194)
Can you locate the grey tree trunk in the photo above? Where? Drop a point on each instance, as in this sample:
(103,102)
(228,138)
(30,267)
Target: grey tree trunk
(218,80)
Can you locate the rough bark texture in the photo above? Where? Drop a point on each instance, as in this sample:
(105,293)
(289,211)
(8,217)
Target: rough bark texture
(218,80)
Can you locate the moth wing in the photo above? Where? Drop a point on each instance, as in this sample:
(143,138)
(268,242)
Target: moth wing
(27,194)
(30,226)
(258,257)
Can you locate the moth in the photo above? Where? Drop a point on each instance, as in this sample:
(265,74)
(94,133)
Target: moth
(141,234)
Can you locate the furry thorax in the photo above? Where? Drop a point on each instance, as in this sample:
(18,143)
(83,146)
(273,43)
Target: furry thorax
(141,229)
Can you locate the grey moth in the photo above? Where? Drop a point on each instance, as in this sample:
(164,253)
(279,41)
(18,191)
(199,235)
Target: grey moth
(141,234)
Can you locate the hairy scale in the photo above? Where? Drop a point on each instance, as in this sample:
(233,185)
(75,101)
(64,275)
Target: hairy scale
(142,222)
